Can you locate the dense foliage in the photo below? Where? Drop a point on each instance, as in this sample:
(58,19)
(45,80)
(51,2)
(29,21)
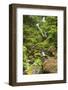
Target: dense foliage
(39,42)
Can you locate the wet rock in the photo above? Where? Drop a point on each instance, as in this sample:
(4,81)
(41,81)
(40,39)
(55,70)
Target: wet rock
(50,66)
